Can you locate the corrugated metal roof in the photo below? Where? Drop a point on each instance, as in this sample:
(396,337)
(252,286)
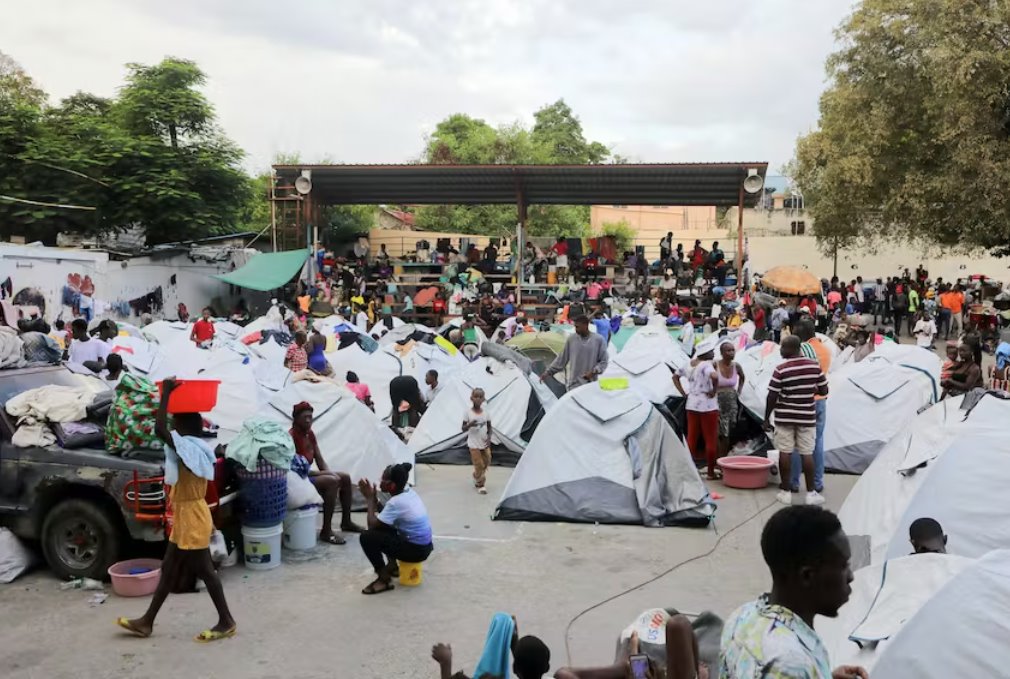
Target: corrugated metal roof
(648,184)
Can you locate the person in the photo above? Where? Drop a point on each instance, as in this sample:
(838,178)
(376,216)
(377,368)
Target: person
(899,307)
(477,427)
(408,305)
(490,257)
(791,392)
(189,465)
(927,537)
(728,380)
(965,375)
(182,312)
(114,370)
(760,321)
(779,320)
(880,295)
(812,347)
(203,330)
(702,405)
(665,245)
(924,330)
(585,356)
(400,532)
(560,250)
(593,290)
(431,381)
(683,660)
(808,555)
(687,333)
(332,485)
(947,369)
(914,305)
(359,389)
(84,351)
(383,257)
(531,659)
(317,356)
(295,358)
(602,325)
(108,331)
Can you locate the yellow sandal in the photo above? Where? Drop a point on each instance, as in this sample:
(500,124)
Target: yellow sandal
(209,635)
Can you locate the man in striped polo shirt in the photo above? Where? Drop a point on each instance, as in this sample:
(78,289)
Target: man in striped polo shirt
(811,347)
(794,384)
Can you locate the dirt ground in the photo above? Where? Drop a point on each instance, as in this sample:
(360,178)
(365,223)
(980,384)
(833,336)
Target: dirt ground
(308,619)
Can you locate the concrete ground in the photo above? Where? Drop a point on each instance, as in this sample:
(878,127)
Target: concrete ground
(307,618)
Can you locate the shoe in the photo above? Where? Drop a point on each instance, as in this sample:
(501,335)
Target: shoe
(482,490)
(785,497)
(815,498)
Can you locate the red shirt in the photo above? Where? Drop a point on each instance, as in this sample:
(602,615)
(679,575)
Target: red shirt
(759,318)
(561,249)
(203,331)
(297,358)
(305,444)
(438,306)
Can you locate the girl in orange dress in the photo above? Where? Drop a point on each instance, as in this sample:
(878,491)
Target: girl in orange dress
(189,464)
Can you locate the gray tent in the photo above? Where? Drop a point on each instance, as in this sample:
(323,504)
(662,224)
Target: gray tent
(607,457)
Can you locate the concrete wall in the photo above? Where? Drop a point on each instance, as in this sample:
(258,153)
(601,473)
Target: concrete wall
(47,270)
(652,222)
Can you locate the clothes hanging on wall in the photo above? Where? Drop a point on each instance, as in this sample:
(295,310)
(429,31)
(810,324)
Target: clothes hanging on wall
(7,288)
(150,303)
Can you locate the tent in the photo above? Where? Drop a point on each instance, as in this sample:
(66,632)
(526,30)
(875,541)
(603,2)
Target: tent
(515,401)
(350,436)
(541,347)
(871,401)
(884,597)
(374,369)
(950,464)
(648,360)
(606,457)
(961,631)
(868,402)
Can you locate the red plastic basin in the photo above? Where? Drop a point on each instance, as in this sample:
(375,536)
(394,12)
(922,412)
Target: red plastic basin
(139,583)
(192,396)
(745,471)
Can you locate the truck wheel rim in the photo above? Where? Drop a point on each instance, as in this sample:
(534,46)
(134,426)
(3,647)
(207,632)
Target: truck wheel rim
(77,543)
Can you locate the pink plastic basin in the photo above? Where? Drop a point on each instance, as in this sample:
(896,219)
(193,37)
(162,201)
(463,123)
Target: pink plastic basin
(745,471)
(137,584)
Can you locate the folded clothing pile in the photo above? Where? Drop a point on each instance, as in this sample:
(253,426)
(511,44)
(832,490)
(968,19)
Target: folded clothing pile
(36,408)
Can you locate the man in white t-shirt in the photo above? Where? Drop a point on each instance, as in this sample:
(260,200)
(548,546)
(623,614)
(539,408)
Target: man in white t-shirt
(85,351)
(924,330)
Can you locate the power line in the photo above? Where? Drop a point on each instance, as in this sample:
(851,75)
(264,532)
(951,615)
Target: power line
(12,199)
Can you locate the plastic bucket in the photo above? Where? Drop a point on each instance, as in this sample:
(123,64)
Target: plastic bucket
(135,577)
(744,471)
(262,547)
(300,528)
(193,396)
(410,573)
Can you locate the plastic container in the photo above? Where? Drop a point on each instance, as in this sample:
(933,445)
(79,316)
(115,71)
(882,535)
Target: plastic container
(262,547)
(192,396)
(135,577)
(263,496)
(410,573)
(300,528)
(745,471)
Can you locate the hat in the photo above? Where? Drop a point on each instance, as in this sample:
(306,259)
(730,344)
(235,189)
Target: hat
(782,302)
(804,309)
(301,408)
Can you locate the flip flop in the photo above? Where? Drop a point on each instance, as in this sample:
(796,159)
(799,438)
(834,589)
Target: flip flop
(333,539)
(209,635)
(126,624)
(371,589)
(351,528)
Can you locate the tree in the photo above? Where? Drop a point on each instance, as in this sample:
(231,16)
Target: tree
(914,135)
(163,101)
(556,138)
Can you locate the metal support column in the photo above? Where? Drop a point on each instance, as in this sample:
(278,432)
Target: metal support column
(739,241)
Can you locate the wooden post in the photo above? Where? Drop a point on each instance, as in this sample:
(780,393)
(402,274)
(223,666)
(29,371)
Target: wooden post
(739,242)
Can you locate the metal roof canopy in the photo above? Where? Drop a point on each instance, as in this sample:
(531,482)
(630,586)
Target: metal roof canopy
(650,184)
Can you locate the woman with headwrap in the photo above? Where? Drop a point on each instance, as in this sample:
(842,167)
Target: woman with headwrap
(330,484)
(400,532)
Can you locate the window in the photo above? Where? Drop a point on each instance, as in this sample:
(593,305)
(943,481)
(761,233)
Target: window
(798,228)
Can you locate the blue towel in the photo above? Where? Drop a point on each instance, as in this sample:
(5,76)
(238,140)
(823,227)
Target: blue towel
(194,453)
(496,659)
(1002,355)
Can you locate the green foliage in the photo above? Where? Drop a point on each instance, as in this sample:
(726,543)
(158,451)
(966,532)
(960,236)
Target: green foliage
(152,156)
(913,137)
(622,231)
(556,138)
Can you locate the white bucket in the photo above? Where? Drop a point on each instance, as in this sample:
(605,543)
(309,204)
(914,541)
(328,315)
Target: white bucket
(300,528)
(262,547)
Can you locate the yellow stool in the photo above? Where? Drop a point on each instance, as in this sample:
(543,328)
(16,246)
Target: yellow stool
(410,573)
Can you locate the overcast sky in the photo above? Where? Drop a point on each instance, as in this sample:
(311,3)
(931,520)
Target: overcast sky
(364,80)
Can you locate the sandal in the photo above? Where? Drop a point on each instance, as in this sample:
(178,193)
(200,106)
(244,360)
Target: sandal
(372,589)
(351,528)
(332,539)
(209,635)
(127,624)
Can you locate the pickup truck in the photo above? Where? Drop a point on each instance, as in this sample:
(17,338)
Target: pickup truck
(71,500)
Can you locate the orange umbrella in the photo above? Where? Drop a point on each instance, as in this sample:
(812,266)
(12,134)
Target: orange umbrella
(791,280)
(426,296)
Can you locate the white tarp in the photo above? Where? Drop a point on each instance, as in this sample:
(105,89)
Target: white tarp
(962,631)
(376,370)
(947,464)
(883,598)
(605,456)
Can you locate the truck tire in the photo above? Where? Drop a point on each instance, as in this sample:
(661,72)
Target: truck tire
(80,540)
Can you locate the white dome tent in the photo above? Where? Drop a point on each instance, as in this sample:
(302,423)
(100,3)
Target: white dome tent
(648,360)
(948,464)
(515,402)
(607,457)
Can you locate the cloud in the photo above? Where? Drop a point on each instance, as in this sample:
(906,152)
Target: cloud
(361,81)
